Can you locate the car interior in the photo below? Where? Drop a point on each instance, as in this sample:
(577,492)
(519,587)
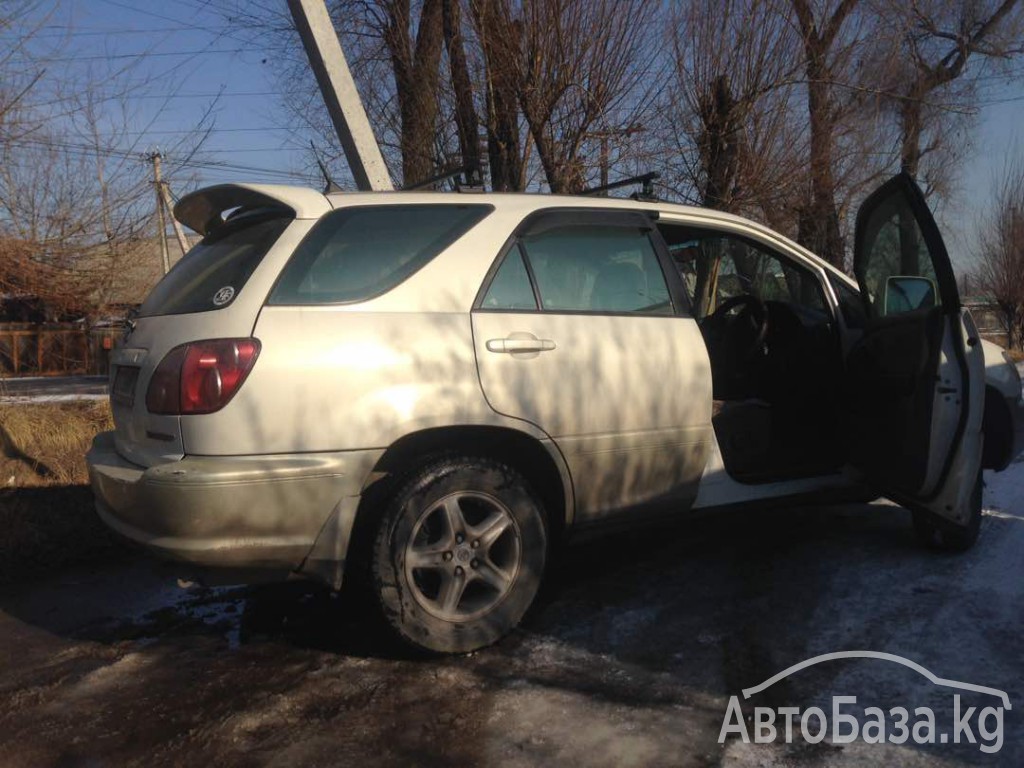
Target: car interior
(775,353)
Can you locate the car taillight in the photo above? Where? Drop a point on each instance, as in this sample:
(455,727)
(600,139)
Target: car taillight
(201,376)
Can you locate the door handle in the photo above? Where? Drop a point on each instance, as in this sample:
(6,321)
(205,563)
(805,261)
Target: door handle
(513,345)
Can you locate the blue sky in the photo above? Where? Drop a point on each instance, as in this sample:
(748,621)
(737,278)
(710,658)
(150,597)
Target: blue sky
(193,50)
(999,138)
(192,45)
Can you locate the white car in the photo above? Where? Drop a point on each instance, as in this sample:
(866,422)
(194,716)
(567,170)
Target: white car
(427,390)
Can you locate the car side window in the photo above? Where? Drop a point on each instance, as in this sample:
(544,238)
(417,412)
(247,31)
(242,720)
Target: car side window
(510,288)
(358,252)
(716,266)
(597,269)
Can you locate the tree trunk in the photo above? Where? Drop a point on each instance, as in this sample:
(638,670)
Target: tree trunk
(417,74)
(910,139)
(719,145)
(819,222)
(503,148)
(465,112)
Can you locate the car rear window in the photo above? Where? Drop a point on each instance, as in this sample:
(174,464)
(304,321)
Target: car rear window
(358,253)
(213,273)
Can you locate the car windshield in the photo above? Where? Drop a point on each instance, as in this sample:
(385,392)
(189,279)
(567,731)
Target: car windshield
(213,273)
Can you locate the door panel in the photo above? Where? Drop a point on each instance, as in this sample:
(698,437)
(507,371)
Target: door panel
(912,379)
(890,388)
(581,333)
(626,399)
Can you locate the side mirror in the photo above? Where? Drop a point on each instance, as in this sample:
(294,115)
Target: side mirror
(906,293)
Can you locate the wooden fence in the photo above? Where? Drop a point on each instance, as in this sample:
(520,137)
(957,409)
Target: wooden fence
(33,350)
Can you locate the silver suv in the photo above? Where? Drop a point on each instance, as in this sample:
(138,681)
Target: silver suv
(427,390)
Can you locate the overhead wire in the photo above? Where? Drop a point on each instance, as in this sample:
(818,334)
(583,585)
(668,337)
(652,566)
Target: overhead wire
(81,150)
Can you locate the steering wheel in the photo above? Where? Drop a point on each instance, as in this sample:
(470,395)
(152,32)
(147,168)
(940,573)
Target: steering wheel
(751,321)
(735,343)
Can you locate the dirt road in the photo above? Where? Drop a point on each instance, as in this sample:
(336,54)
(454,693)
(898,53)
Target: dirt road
(630,657)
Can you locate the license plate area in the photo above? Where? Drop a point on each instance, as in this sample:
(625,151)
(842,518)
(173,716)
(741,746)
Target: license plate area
(123,391)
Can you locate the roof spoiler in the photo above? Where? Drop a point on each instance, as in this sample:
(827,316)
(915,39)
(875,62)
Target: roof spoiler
(202,210)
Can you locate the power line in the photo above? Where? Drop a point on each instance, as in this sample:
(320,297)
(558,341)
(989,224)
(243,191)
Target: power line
(208,95)
(222,33)
(73,31)
(144,55)
(177,131)
(85,150)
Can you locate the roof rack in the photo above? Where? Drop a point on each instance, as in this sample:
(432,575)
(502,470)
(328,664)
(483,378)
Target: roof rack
(473,182)
(646,191)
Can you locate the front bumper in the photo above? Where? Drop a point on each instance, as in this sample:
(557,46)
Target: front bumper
(258,515)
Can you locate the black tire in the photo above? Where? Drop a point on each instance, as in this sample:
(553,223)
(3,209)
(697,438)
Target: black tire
(495,575)
(945,536)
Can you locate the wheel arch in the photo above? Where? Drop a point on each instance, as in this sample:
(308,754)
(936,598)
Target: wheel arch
(538,459)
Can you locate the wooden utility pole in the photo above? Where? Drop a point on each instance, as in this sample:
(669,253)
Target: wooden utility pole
(604,135)
(161,223)
(340,95)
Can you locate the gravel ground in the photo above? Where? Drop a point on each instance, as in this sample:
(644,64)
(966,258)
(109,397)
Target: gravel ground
(629,658)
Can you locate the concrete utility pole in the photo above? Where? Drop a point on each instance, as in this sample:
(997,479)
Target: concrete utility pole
(340,95)
(161,223)
(165,191)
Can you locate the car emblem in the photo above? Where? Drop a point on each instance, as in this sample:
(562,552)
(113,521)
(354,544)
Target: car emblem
(223,296)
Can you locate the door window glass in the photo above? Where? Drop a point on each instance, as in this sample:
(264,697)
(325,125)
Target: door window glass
(510,288)
(716,266)
(895,248)
(598,269)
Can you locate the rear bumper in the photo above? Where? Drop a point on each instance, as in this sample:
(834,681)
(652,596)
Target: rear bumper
(254,516)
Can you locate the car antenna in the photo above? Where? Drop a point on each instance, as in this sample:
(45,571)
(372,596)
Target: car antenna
(329,186)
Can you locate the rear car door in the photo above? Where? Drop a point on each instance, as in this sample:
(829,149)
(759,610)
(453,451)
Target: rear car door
(582,329)
(915,379)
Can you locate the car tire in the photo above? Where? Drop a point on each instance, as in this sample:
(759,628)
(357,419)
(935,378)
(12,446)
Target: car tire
(458,555)
(944,536)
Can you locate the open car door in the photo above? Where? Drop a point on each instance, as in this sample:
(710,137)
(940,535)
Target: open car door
(916,376)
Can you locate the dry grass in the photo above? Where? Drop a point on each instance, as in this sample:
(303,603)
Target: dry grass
(1016,355)
(45,444)
(47,519)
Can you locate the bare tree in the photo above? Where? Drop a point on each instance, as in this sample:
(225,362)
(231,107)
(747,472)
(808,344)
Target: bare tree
(999,270)
(576,65)
(466,119)
(729,112)
(416,61)
(925,71)
(498,39)
(826,52)
(73,208)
